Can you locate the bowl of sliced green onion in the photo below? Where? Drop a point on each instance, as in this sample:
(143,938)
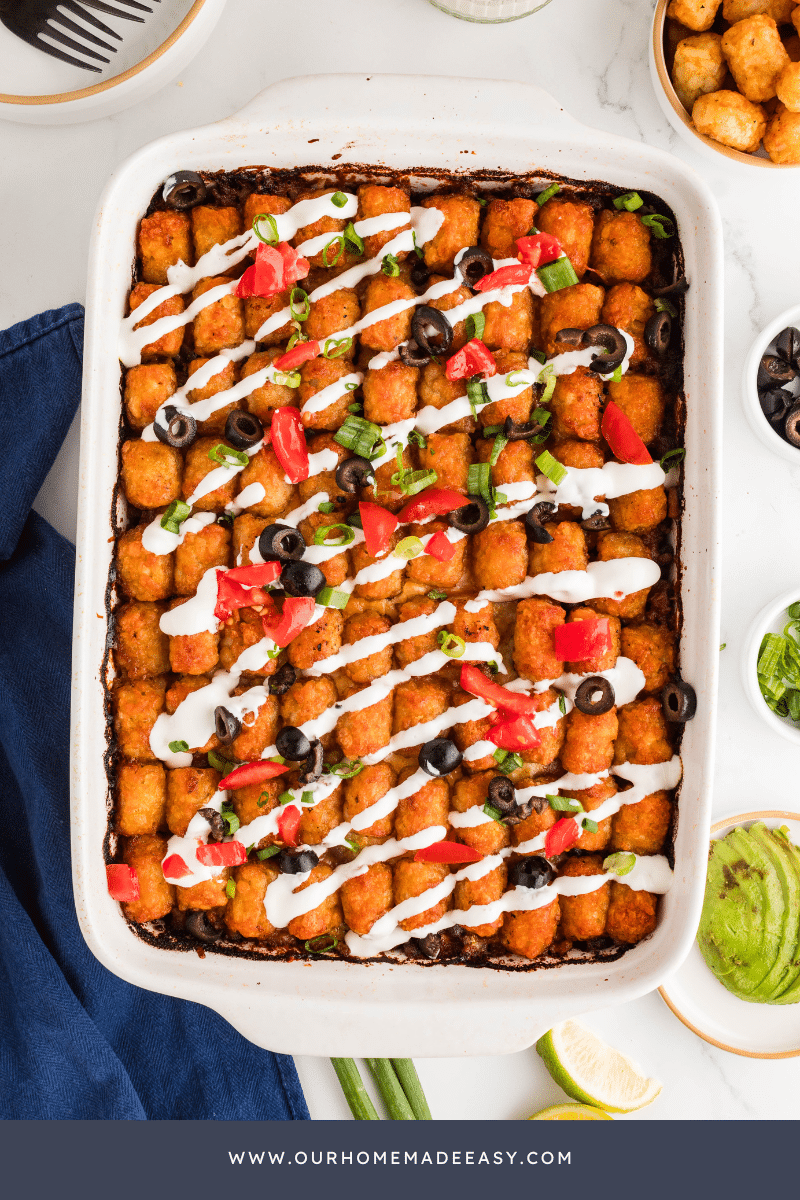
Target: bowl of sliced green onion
(771,665)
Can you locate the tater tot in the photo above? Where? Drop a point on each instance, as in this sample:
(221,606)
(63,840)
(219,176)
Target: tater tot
(319,641)
(338,310)
(363,791)
(782,136)
(699,67)
(316,376)
(265,469)
(482,891)
(592,798)
(307,699)
(257,800)
(448,454)
(787,87)
(163,241)
(500,555)
(141,798)
(566,552)
(731,119)
(639,511)
(643,735)
(169,344)
(694,14)
(220,324)
(652,648)
(209,547)
(412,879)
(257,312)
(411,649)
(390,394)
(426,568)
(384,492)
(572,222)
(530,933)
(364,625)
(601,662)
(476,626)
(213,226)
(428,806)
(137,706)
(318,820)
(417,701)
(258,729)
(755,55)
(459,229)
(642,400)
(151,473)
(621,545)
(518,406)
(156,897)
(509,327)
(621,247)
(196,466)
(452,300)
(244,912)
(243,629)
(221,381)
(391,331)
(643,827)
(375,200)
(468,733)
(367,897)
(263,400)
(576,307)
(504,221)
(261,202)
(436,390)
(579,454)
(322,919)
(584,917)
(551,737)
(514,463)
(324,224)
(141,648)
(211,893)
(575,406)
(589,743)
(337,568)
(188,790)
(627,307)
(380,589)
(631,915)
(534,655)
(147,387)
(366,730)
(141,574)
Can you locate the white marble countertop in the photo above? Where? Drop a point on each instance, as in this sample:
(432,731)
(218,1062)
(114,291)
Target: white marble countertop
(592,56)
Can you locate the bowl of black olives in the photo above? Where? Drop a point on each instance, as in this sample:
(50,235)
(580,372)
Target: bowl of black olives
(772,385)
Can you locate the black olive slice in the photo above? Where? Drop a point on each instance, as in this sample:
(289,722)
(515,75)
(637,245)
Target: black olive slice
(596,521)
(281,543)
(424,317)
(430,946)
(180,430)
(773,370)
(292,743)
(610,339)
(419,276)
(412,355)
(243,429)
(570,337)
(787,345)
(657,333)
(439,757)
(296,862)
(197,925)
(792,425)
(502,794)
(226,725)
(514,432)
(354,473)
(531,872)
(474,263)
(678,287)
(775,402)
(284,678)
(678,701)
(594,696)
(300,578)
(533,522)
(470,518)
(312,769)
(183,189)
(216,822)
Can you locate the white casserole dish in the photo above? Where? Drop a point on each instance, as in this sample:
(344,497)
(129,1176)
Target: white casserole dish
(339,1008)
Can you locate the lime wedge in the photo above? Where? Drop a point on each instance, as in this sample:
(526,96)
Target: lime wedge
(571,1112)
(593,1072)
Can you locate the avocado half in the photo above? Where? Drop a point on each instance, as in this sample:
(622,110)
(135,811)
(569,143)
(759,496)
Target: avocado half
(749,931)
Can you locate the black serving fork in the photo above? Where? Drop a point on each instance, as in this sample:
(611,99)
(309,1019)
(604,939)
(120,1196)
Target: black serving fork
(30,19)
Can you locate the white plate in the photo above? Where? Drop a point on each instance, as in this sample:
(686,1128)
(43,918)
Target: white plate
(700,1001)
(771,619)
(759,423)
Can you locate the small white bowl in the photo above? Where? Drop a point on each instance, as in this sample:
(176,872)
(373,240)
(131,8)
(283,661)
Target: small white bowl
(45,91)
(771,619)
(753,411)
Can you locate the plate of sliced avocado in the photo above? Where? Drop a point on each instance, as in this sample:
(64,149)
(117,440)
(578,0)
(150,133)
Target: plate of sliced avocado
(739,988)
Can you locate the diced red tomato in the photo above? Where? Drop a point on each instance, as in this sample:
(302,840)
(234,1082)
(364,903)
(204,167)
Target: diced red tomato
(561,836)
(582,639)
(538,249)
(276,268)
(222,854)
(625,443)
(504,276)
(289,824)
(378,524)
(475,682)
(289,441)
(174,867)
(256,576)
(295,267)
(252,772)
(472,359)
(123,882)
(231,595)
(247,284)
(300,352)
(447,852)
(433,502)
(515,733)
(440,547)
(282,628)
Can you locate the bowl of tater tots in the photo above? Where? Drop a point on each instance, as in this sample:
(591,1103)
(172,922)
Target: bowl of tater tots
(727,75)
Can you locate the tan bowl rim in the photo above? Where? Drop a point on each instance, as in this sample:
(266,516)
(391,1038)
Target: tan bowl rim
(752,160)
(97,88)
(773,814)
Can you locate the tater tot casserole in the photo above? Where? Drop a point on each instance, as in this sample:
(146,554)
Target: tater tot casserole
(393,663)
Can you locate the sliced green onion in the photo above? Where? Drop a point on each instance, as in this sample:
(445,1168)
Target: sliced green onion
(330,597)
(477,393)
(179,747)
(335,347)
(355,408)
(675,455)
(263,799)
(547,194)
(225,518)
(410,547)
(417,438)
(322,944)
(348,768)
(541,415)
(479,481)
(174,516)
(268,852)
(490,431)
(661,226)
(629,201)
(274,653)
(230,888)
(621,863)
(338,242)
(285,798)
(231,820)
(482,201)
(299,303)
(551,467)
(394,1097)
(564,804)
(451,644)
(557,275)
(475,325)
(511,382)
(378,451)
(562,706)
(663,305)
(437,594)
(350,387)
(353,843)
(355,1093)
(722,645)
(353,240)
(268,235)
(326,507)
(289,379)
(500,442)
(590,826)
(390,266)
(770,654)
(616,375)
(220,453)
(307,798)
(321,535)
(492,812)
(358,435)
(507,762)
(355,520)
(225,765)
(339,199)
(784,831)
(549,385)
(297,336)
(539,355)
(794,611)
(409,1081)
(419,253)
(411,482)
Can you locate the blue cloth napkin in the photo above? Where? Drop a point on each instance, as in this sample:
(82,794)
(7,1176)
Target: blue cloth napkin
(76,1042)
